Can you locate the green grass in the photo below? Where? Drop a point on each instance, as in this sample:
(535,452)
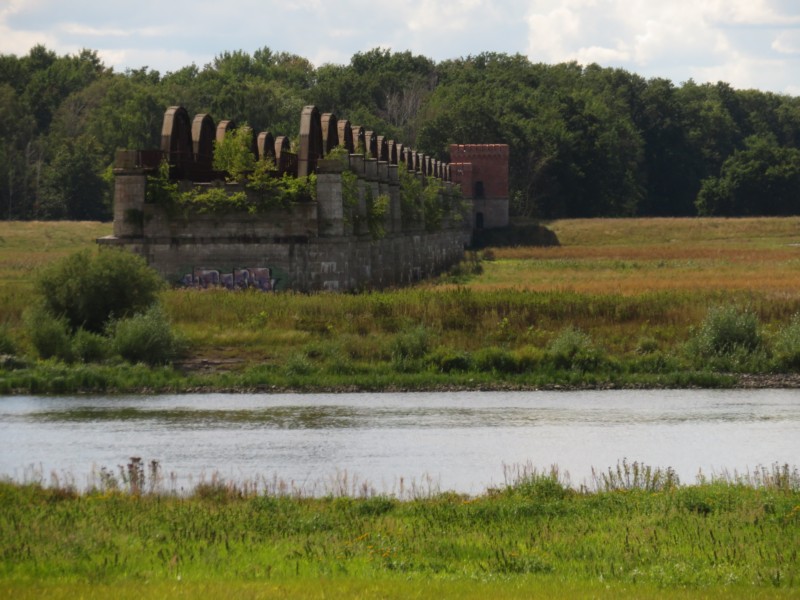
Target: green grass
(630,537)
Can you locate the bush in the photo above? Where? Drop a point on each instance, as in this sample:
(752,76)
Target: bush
(787,345)
(498,360)
(446,360)
(299,365)
(573,349)
(145,338)
(87,289)
(411,344)
(48,334)
(88,346)
(7,345)
(727,330)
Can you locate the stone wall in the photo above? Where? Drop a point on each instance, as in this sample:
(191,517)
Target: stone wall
(311,246)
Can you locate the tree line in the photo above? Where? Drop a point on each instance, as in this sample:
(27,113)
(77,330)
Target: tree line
(585,141)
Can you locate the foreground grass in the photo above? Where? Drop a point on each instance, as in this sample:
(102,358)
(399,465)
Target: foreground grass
(536,538)
(618,303)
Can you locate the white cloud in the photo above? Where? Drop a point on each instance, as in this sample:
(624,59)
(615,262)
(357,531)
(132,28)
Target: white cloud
(78,29)
(698,39)
(749,12)
(159,60)
(438,15)
(744,40)
(19,41)
(787,42)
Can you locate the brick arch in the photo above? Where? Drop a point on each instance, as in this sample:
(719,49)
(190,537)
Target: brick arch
(265,144)
(203,134)
(381,149)
(310,141)
(330,132)
(345,135)
(176,137)
(407,157)
(282,152)
(371,143)
(224,127)
(359,139)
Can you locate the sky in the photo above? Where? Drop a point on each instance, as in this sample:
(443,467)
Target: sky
(747,43)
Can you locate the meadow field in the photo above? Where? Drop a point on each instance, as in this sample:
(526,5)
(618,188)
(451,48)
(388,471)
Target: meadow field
(619,302)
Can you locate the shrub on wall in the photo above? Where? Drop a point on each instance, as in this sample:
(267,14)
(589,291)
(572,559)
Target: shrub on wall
(234,154)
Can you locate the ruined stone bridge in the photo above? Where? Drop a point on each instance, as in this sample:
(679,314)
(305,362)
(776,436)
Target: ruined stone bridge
(313,245)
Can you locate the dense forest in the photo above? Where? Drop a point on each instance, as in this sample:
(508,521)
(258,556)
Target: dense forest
(585,140)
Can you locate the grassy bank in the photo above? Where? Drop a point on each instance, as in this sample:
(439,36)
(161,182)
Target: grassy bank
(639,533)
(617,303)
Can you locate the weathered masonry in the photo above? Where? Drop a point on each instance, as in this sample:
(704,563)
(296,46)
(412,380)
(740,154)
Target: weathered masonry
(325,243)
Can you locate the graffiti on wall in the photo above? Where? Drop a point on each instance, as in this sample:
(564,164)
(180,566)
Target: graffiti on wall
(266,279)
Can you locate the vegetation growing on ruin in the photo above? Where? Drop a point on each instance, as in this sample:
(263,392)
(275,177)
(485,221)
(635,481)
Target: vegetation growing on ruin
(376,209)
(425,200)
(257,190)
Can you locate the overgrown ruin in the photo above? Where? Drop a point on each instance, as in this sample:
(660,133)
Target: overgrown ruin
(382,214)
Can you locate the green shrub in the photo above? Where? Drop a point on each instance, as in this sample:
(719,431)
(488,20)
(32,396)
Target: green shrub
(233,153)
(647,345)
(727,330)
(87,289)
(447,360)
(573,349)
(786,347)
(145,338)
(411,344)
(654,362)
(49,334)
(88,346)
(540,486)
(299,365)
(498,360)
(7,345)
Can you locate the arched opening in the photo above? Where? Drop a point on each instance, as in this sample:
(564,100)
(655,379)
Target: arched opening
(479,220)
(478,190)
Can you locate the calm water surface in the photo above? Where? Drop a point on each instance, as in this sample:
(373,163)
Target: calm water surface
(458,441)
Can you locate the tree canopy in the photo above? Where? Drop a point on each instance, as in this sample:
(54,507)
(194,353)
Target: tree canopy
(585,140)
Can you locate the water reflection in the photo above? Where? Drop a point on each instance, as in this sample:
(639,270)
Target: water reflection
(462,439)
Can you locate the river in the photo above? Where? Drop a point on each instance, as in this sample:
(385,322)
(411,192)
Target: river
(397,443)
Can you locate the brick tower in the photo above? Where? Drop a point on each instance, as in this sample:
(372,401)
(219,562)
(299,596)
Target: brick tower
(482,172)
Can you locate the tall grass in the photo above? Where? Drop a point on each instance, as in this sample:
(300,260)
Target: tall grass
(640,529)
